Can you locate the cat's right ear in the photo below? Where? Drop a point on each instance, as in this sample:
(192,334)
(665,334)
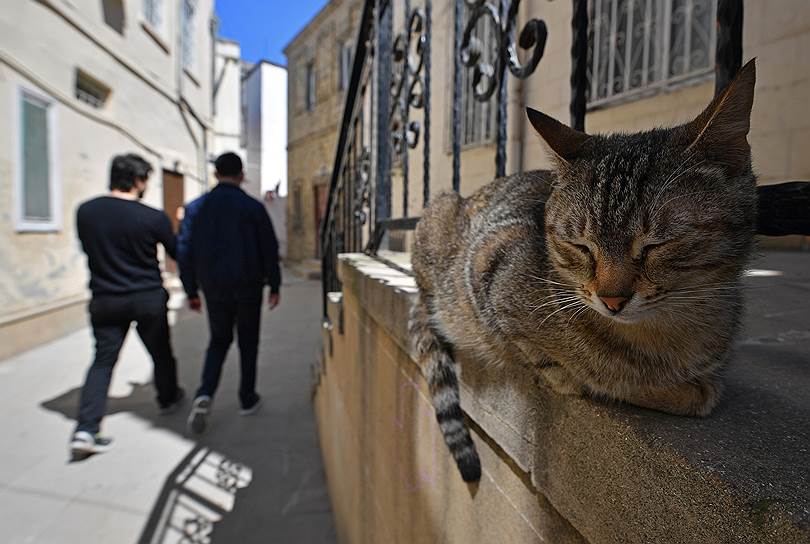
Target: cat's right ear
(563,141)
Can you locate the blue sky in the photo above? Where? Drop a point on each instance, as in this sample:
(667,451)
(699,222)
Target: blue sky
(264,27)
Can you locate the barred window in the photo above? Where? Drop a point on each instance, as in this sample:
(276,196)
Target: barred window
(188,35)
(90,90)
(478,118)
(638,45)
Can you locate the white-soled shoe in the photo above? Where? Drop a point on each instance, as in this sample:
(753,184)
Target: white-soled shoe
(252,409)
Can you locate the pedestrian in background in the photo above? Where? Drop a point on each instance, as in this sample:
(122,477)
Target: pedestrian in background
(227,248)
(120,235)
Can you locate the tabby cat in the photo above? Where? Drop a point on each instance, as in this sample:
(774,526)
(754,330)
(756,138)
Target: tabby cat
(615,275)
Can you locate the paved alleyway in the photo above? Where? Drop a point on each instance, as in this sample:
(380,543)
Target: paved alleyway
(249,479)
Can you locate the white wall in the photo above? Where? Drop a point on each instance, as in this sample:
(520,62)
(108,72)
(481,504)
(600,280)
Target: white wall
(274,127)
(228,99)
(265,95)
(156,109)
(252,107)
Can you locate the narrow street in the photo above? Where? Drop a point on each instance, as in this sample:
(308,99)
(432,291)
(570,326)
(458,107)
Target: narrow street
(248,479)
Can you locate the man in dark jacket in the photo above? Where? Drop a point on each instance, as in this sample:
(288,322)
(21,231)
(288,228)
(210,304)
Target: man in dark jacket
(228,248)
(120,237)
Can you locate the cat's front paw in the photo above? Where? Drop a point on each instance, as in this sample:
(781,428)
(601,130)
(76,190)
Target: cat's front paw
(695,399)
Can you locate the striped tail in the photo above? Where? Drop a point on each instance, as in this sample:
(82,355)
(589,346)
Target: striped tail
(435,354)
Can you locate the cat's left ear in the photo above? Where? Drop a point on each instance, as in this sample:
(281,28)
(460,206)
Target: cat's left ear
(563,141)
(721,131)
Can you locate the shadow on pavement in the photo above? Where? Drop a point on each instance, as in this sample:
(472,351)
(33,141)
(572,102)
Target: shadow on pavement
(247,479)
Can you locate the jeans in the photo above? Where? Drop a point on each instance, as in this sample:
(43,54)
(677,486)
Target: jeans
(111,316)
(243,311)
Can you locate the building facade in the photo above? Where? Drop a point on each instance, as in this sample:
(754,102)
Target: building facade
(264,118)
(83,81)
(227,91)
(319,64)
(651,64)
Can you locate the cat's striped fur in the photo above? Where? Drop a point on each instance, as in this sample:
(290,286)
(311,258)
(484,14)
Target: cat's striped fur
(616,275)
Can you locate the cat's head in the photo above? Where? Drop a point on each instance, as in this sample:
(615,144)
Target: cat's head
(654,221)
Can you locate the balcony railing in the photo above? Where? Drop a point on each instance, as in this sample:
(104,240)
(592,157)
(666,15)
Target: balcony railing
(387,113)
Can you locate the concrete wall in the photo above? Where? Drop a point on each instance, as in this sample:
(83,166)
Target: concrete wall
(155,108)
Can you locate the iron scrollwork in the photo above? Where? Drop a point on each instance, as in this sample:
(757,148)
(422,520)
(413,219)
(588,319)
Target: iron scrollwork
(362,189)
(409,78)
(488,73)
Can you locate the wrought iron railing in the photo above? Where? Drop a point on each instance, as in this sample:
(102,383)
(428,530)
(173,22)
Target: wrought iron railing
(388,108)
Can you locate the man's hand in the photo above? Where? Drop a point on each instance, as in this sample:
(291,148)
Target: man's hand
(273,300)
(195,304)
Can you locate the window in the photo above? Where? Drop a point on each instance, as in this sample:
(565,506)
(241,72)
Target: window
(297,208)
(478,118)
(113,12)
(36,174)
(189,7)
(639,45)
(91,91)
(344,65)
(309,87)
(153,13)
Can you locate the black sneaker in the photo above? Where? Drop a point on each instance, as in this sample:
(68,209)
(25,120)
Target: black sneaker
(253,408)
(175,404)
(198,418)
(84,444)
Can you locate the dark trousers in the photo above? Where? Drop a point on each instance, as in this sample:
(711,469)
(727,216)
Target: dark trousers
(111,316)
(225,312)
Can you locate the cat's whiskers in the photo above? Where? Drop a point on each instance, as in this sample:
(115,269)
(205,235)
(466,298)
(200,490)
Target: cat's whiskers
(570,305)
(576,314)
(555,301)
(538,278)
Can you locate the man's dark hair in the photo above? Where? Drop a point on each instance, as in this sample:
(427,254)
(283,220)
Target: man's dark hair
(228,165)
(125,169)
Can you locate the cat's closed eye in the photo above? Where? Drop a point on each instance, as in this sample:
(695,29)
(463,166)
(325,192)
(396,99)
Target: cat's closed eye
(582,248)
(651,247)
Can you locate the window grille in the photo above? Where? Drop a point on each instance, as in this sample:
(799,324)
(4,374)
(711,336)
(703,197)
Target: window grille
(90,91)
(478,118)
(642,45)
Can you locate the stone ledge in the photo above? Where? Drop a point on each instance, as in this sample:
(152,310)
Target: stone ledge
(619,473)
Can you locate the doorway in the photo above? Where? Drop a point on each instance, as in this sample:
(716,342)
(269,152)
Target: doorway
(173,200)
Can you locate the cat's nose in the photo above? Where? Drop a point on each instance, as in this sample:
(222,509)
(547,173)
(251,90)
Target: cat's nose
(614,304)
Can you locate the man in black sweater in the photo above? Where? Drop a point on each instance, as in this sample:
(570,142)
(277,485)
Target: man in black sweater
(119,234)
(228,247)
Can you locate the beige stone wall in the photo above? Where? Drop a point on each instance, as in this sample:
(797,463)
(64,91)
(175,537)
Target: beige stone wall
(155,108)
(390,476)
(312,135)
